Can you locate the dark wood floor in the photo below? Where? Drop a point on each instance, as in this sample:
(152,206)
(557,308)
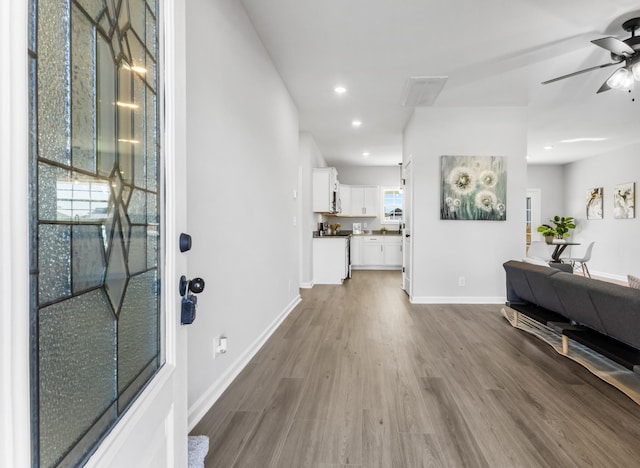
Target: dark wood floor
(357,376)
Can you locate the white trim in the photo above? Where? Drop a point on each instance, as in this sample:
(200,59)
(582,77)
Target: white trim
(457,300)
(602,274)
(377,267)
(206,401)
(307,285)
(536,200)
(15,423)
(125,428)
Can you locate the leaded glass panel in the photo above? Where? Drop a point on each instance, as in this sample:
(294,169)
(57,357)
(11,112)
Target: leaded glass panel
(53,93)
(95,306)
(76,371)
(83,89)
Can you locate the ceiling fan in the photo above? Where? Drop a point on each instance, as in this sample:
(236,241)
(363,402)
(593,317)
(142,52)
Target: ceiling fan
(627,51)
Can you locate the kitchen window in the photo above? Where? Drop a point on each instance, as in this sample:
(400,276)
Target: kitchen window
(392,199)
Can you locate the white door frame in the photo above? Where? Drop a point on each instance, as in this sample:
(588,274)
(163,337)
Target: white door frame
(536,206)
(407,243)
(15,439)
(130,442)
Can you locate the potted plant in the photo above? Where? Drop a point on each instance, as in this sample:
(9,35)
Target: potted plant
(548,233)
(561,228)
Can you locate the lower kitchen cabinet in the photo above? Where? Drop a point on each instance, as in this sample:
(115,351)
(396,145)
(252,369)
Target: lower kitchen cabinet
(376,252)
(356,250)
(393,251)
(330,260)
(373,251)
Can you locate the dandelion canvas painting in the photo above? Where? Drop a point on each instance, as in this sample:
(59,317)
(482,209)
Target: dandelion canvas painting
(473,188)
(624,196)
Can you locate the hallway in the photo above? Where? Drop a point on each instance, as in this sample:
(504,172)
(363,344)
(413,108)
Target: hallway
(358,376)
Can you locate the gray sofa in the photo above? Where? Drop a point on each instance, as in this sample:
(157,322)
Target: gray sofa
(601,315)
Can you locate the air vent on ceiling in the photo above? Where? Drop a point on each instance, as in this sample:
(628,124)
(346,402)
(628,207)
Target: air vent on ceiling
(422,90)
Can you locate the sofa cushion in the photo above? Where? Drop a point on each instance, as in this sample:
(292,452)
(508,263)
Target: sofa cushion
(531,283)
(619,309)
(573,292)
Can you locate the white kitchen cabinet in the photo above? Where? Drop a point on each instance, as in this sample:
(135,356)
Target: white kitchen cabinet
(377,252)
(393,251)
(364,200)
(344,200)
(356,250)
(373,250)
(325,190)
(330,260)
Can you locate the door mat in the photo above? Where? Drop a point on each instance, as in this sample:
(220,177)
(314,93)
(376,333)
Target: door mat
(198,449)
(625,380)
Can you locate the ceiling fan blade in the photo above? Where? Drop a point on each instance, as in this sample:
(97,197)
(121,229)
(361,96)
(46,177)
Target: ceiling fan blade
(579,72)
(605,87)
(614,45)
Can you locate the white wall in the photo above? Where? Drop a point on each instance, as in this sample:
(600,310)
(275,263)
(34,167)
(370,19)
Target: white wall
(310,157)
(243,168)
(616,252)
(446,250)
(383,176)
(550,180)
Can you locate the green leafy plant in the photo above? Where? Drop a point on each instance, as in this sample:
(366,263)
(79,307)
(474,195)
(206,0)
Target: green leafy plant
(547,231)
(561,228)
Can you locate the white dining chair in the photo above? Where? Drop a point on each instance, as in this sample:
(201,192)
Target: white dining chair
(581,262)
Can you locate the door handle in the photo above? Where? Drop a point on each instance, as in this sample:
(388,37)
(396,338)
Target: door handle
(407,235)
(188,289)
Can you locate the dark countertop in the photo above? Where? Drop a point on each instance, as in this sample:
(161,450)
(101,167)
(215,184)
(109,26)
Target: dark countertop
(345,233)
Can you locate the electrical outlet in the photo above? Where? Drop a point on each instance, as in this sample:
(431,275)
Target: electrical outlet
(462,281)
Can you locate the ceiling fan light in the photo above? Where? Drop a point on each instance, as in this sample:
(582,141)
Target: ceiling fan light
(628,82)
(635,69)
(618,79)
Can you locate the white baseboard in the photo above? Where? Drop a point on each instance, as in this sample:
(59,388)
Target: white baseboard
(306,285)
(610,276)
(457,300)
(206,401)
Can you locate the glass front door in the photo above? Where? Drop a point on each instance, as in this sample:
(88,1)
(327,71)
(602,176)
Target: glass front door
(95,219)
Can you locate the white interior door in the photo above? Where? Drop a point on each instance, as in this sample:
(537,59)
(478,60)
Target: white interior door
(153,429)
(406,238)
(153,432)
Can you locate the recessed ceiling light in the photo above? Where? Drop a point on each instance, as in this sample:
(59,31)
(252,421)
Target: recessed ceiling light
(548,147)
(340,89)
(580,140)
(356,123)
(366,154)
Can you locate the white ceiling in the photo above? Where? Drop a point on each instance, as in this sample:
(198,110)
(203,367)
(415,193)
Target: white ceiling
(495,53)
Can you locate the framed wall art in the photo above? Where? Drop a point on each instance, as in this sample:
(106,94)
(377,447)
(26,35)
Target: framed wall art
(594,203)
(473,188)
(624,196)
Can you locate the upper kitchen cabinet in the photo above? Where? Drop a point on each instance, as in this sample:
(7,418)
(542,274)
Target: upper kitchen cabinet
(344,200)
(325,190)
(364,200)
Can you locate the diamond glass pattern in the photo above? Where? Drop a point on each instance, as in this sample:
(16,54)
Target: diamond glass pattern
(95,167)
